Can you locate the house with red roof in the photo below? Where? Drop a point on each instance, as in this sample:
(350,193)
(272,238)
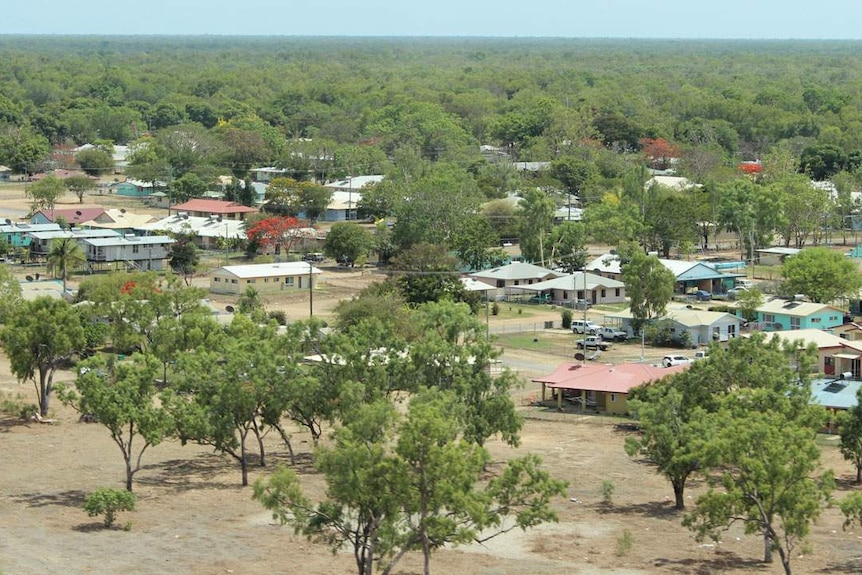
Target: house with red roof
(206,208)
(75,216)
(602,388)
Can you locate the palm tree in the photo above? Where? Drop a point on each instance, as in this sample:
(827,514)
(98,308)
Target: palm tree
(65,254)
(250,301)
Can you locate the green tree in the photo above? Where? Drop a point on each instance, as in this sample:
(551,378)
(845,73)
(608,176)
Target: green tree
(348,243)
(122,396)
(79,185)
(649,285)
(38,337)
(65,254)
(821,274)
(765,469)
(184,258)
(568,246)
(109,502)
(45,193)
(537,217)
(95,162)
(476,244)
(426,273)
(850,430)
(10,292)
(748,301)
(251,303)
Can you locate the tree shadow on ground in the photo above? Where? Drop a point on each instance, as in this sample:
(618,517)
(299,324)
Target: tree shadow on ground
(92,527)
(849,567)
(71,498)
(722,562)
(651,509)
(200,472)
(847,483)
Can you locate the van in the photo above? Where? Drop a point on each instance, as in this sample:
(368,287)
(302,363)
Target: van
(588,327)
(743,283)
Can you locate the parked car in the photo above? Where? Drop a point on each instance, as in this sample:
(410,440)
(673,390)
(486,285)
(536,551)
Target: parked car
(540,298)
(315,257)
(592,342)
(588,327)
(701,354)
(734,293)
(612,334)
(671,360)
(702,295)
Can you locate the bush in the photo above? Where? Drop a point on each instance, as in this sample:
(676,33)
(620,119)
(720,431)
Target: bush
(109,502)
(279,315)
(495,309)
(567,318)
(624,543)
(16,406)
(607,492)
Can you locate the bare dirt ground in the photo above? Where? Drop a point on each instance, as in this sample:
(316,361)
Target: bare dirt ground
(194,518)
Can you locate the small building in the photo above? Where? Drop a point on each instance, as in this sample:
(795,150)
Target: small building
(265,278)
(835,355)
(780,314)
(218,208)
(72,216)
(138,188)
(139,252)
(17,234)
(268,174)
(836,396)
(119,220)
(5,173)
(602,388)
(511,278)
(775,255)
(580,287)
(206,231)
(40,243)
(690,275)
(695,326)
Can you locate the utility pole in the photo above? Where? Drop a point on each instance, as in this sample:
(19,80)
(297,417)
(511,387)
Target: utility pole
(310,292)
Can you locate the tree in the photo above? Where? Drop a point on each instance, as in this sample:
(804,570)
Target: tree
(537,217)
(348,242)
(290,197)
(95,162)
(109,502)
(764,461)
(10,292)
(748,301)
(79,185)
(426,273)
(250,303)
(821,274)
(122,396)
(45,193)
(38,337)
(649,285)
(65,254)
(275,234)
(850,430)
(476,244)
(183,257)
(568,247)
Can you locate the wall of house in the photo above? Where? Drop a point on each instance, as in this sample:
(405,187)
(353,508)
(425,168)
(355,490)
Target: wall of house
(225,283)
(131,190)
(615,403)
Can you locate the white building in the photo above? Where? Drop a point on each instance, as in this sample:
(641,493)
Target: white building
(265,278)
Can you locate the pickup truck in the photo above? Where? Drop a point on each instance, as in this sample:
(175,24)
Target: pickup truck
(592,342)
(612,334)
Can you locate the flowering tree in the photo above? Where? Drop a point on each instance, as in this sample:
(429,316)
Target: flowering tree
(659,152)
(275,234)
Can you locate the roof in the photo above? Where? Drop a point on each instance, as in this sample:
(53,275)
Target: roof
(213,207)
(673,182)
(822,339)
(576,281)
(41,288)
(19,227)
(796,308)
(114,218)
(516,271)
(271,270)
(206,227)
(779,251)
(129,240)
(77,234)
(620,378)
(835,393)
(355,182)
(472,284)
(342,200)
(697,317)
(72,215)
(683,270)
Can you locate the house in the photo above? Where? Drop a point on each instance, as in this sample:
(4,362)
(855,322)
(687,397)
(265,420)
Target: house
(120,220)
(604,388)
(40,243)
(138,188)
(72,216)
(780,314)
(353,183)
(159,200)
(205,230)
(205,208)
(675,183)
(268,174)
(510,279)
(568,213)
(690,275)
(835,355)
(579,287)
(341,207)
(851,331)
(702,327)
(120,155)
(775,255)
(5,173)
(17,234)
(835,395)
(140,252)
(265,278)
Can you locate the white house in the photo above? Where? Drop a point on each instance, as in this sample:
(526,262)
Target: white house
(206,230)
(511,279)
(141,252)
(265,278)
(40,243)
(579,287)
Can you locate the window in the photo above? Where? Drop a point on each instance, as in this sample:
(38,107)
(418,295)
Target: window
(613,398)
(617,292)
(135,249)
(517,282)
(216,280)
(266,280)
(501,283)
(731,331)
(816,320)
(769,318)
(233,281)
(603,294)
(794,323)
(288,281)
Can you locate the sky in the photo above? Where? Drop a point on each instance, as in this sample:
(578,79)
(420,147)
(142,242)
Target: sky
(755,19)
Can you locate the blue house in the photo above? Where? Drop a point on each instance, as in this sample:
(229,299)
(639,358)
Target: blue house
(18,235)
(137,188)
(779,314)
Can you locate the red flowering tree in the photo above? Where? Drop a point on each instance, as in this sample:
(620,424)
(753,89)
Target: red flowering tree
(751,168)
(659,152)
(275,234)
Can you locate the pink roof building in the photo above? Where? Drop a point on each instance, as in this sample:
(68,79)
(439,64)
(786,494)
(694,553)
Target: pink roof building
(206,208)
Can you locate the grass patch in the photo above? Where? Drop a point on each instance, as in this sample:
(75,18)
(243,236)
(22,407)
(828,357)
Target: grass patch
(549,343)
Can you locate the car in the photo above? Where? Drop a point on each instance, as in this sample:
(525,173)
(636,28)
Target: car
(592,342)
(671,360)
(702,295)
(734,292)
(585,326)
(315,257)
(612,334)
(540,298)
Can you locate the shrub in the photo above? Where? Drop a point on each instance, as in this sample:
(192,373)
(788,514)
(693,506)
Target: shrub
(624,543)
(607,492)
(495,309)
(567,318)
(109,502)
(16,406)
(279,315)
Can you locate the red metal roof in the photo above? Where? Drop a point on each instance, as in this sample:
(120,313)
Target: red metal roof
(213,207)
(608,378)
(73,215)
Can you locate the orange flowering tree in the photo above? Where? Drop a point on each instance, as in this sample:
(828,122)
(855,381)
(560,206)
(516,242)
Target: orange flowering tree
(275,234)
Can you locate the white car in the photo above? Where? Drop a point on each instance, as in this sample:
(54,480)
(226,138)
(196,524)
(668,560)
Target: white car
(670,360)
